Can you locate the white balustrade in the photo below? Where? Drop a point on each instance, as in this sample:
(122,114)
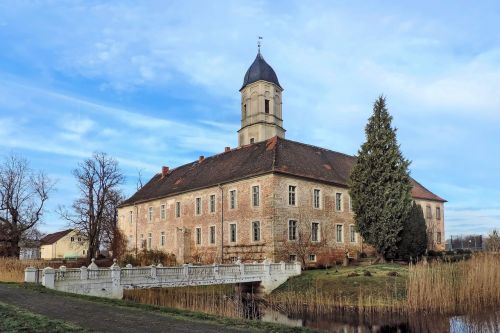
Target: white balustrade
(110,282)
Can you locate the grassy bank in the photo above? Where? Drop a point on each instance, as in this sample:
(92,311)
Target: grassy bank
(14,319)
(381,286)
(438,287)
(191,316)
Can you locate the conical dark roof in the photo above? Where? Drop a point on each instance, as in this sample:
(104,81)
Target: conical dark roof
(260,70)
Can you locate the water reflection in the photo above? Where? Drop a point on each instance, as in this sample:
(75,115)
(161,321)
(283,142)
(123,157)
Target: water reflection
(352,322)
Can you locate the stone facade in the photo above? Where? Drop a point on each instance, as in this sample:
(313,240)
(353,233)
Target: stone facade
(273,213)
(434,218)
(261,116)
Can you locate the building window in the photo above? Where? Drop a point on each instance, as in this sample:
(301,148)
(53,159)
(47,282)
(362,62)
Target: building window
(232,233)
(232,199)
(352,234)
(177,209)
(162,212)
(198,236)
(256,231)
(315,231)
(292,257)
(79,239)
(316,198)
(312,257)
(266,106)
(198,206)
(72,239)
(212,203)
(212,234)
(338,202)
(131,217)
(162,238)
(142,241)
(292,230)
(244,111)
(428,212)
(438,237)
(150,214)
(252,140)
(438,213)
(292,195)
(150,240)
(255,196)
(340,233)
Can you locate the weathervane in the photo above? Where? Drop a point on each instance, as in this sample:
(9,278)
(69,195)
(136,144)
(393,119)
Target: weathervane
(258,43)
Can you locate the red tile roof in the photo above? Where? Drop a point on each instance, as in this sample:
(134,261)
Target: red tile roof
(52,238)
(275,155)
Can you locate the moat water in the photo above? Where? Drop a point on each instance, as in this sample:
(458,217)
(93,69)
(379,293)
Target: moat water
(350,322)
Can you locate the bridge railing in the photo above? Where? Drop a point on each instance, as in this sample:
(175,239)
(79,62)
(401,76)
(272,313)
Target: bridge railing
(115,278)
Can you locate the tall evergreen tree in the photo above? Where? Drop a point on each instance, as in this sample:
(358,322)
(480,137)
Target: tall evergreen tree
(413,241)
(380,184)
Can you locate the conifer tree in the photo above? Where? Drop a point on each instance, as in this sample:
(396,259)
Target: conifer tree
(413,241)
(380,184)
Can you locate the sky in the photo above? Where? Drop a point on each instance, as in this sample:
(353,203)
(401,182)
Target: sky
(156,83)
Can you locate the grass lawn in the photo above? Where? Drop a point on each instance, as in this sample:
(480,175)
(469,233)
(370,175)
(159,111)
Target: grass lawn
(338,284)
(14,319)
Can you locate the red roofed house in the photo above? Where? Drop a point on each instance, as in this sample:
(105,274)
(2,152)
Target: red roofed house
(66,244)
(251,201)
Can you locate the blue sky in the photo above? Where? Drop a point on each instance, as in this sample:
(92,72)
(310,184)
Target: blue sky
(156,83)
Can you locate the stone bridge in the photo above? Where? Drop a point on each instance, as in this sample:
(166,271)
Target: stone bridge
(110,282)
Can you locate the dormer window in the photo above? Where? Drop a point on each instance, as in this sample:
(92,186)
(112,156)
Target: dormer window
(266,106)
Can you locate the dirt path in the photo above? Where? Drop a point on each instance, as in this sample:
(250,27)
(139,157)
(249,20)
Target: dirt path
(102,317)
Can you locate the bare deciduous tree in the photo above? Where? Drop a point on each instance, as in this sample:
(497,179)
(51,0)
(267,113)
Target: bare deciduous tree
(94,212)
(23,194)
(493,241)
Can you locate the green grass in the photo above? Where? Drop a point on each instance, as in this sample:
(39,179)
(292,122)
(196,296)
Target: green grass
(14,319)
(257,326)
(335,282)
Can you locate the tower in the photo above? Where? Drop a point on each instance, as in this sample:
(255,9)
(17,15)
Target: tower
(261,116)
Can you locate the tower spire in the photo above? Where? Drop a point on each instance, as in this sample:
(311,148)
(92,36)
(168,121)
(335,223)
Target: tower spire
(259,44)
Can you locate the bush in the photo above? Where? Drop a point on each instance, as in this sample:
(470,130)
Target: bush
(148,257)
(363,255)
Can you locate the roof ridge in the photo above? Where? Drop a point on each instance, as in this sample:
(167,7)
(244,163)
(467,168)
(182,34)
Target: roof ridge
(317,147)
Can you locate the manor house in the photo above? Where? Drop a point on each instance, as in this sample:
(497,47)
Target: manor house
(268,198)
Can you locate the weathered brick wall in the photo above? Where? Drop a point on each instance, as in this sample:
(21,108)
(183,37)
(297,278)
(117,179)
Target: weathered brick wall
(273,213)
(435,224)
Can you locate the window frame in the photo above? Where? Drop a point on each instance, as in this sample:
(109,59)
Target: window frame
(290,239)
(318,201)
(212,236)
(267,106)
(162,239)
(255,196)
(318,232)
(292,195)
(177,209)
(438,213)
(212,203)
(149,244)
(313,256)
(351,228)
(233,203)
(163,212)
(428,211)
(338,202)
(131,217)
(259,235)
(341,233)
(198,206)
(231,232)
(198,237)
(150,214)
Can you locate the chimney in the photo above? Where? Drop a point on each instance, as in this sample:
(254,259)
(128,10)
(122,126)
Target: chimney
(227,149)
(164,171)
(201,158)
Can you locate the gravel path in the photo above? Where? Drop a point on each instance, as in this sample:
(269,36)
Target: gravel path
(102,317)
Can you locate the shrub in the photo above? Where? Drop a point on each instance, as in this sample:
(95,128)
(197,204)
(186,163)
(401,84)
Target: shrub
(148,257)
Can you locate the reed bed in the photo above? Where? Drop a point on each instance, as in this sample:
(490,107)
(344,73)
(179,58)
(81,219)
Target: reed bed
(449,288)
(218,300)
(12,269)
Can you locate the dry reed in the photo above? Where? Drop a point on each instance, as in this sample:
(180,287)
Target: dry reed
(462,287)
(12,269)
